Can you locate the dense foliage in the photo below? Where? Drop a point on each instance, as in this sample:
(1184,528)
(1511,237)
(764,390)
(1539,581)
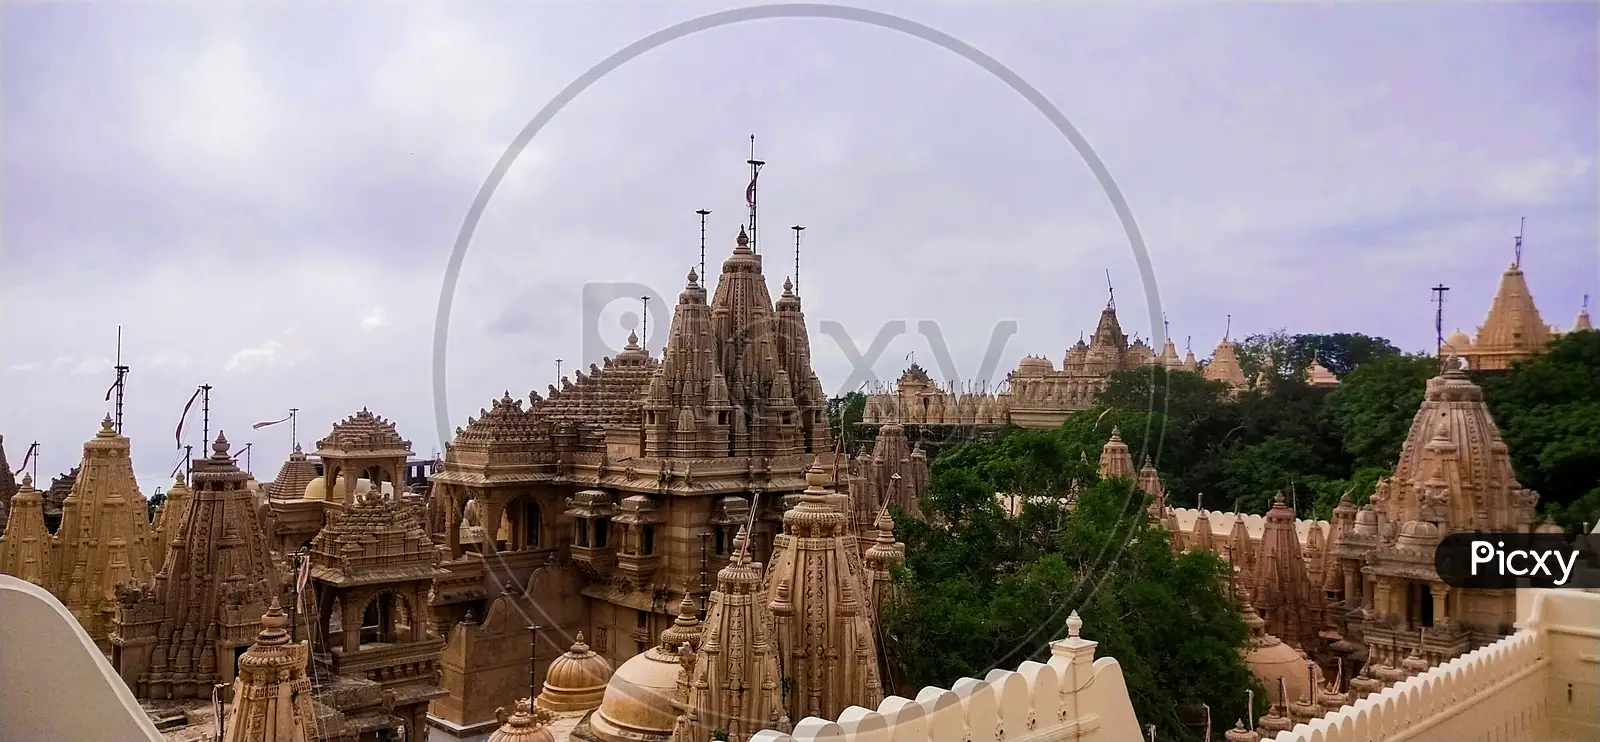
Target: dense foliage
(992,591)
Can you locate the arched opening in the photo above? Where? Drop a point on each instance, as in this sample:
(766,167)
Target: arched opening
(520,525)
(386,619)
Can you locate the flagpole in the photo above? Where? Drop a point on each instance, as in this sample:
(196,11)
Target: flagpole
(755,173)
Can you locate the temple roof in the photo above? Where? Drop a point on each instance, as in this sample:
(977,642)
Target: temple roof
(1513,323)
(375,540)
(1115,459)
(505,424)
(364,434)
(297,472)
(1224,366)
(1454,467)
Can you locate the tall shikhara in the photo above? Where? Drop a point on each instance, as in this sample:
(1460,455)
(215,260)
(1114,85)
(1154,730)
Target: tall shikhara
(180,637)
(104,535)
(816,589)
(733,678)
(25,549)
(736,378)
(1280,578)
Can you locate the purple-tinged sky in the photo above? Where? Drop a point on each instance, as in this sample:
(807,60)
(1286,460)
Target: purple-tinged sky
(265,196)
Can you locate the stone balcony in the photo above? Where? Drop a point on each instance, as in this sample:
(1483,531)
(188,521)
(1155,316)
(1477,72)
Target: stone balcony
(638,568)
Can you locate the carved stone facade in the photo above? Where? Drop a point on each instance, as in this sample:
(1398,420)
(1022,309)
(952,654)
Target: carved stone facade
(168,515)
(374,564)
(104,538)
(177,638)
(1454,475)
(635,475)
(272,696)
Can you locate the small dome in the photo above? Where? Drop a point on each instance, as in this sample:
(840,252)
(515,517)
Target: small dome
(1458,341)
(576,681)
(527,724)
(638,699)
(316,490)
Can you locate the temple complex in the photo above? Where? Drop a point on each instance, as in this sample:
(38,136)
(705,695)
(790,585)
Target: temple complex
(1036,394)
(633,477)
(26,547)
(894,475)
(104,538)
(176,638)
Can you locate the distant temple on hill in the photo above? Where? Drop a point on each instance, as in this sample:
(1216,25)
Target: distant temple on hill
(1513,329)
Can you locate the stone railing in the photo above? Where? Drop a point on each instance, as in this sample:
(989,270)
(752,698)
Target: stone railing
(1538,684)
(1073,696)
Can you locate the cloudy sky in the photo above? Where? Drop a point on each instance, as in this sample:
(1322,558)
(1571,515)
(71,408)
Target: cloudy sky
(265,197)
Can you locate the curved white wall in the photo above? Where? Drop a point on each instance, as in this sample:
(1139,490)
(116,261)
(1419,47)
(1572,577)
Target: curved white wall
(55,684)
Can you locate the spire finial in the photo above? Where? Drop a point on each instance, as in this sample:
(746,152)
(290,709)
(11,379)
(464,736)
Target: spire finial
(1227,329)
(703,214)
(1521,227)
(1111,292)
(797,230)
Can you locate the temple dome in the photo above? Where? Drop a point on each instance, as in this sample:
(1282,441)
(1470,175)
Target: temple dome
(1458,341)
(575,681)
(1268,658)
(638,699)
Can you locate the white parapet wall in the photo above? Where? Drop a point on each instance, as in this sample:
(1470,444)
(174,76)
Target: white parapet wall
(1073,696)
(1541,683)
(54,683)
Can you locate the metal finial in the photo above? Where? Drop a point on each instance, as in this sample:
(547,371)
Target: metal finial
(797,230)
(703,213)
(1521,227)
(646,329)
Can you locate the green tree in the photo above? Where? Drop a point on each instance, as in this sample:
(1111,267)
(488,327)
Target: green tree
(995,590)
(845,412)
(1548,411)
(1372,408)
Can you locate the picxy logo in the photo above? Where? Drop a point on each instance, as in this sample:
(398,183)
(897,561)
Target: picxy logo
(1523,562)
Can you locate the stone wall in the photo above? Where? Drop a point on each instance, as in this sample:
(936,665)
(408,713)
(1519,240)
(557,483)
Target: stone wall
(1541,683)
(1072,696)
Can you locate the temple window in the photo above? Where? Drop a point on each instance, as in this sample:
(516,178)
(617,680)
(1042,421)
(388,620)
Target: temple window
(787,419)
(647,544)
(582,534)
(720,536)
(643,619)
(602,532)
(722,418)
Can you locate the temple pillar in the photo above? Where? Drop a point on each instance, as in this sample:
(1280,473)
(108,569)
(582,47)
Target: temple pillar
(1352,584)
(493,511)
(453,515)
(350,622)
(1440,592)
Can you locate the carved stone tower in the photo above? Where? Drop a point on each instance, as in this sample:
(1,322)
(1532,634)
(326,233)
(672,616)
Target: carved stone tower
(272,695)
(374,564)
(178,639)
(104,534)
(26,548)
(734,683)
(816,589)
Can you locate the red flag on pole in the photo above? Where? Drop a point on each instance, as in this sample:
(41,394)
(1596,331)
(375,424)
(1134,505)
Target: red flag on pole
(179,434)
(750,193)
(270,423)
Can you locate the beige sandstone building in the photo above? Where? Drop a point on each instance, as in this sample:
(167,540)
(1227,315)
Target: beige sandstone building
(1513,329)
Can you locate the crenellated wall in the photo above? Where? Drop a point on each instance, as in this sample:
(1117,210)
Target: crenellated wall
(1541,683)
(1073,696)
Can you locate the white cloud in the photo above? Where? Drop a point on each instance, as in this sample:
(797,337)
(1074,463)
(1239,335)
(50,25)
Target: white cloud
(374,319)
(250,359)
(22,367)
